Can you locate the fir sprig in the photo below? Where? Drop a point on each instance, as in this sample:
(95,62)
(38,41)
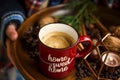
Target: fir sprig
(84,9)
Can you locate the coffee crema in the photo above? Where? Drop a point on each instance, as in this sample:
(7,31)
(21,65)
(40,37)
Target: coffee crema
(58,40)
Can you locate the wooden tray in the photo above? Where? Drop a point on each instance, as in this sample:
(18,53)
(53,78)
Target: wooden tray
(27,66)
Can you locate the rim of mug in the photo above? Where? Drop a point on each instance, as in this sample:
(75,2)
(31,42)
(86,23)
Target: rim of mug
(74,44)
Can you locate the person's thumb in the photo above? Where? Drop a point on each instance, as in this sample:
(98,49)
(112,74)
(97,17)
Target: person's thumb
(11,32)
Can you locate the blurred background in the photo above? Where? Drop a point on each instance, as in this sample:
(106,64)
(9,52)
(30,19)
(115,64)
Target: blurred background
(8,72)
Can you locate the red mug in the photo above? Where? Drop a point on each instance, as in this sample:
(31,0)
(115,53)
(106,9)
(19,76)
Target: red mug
(60,62)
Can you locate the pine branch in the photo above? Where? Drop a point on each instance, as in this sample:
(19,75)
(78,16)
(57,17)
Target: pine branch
(83,9)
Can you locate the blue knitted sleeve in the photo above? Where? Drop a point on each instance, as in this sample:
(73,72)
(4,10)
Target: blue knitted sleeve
(6,18)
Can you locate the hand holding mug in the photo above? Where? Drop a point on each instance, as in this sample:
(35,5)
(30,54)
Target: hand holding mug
(11,32)
(12,35)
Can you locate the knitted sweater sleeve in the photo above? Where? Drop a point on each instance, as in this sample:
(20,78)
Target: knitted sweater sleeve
(10,10)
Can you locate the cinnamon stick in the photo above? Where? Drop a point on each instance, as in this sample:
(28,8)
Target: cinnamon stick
(91,69)
(83,29)
(100,25)
(83,32)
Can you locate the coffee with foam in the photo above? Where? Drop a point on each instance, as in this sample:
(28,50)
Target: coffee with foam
(58,40)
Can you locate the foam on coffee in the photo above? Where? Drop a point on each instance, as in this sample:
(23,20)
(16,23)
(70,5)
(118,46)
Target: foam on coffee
(57,40)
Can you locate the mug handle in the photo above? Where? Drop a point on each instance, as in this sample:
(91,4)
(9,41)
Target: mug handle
(88,48)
